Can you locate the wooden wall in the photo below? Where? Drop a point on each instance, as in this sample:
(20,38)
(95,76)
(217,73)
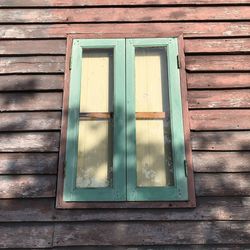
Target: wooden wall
(32,49)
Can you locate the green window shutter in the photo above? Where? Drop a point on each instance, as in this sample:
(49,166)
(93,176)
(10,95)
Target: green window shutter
(116,191)
(178,191)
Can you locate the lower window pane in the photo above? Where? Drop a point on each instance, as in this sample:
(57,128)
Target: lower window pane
(153,153)
(94,154)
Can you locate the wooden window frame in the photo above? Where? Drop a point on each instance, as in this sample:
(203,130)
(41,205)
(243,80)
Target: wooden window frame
(191,202)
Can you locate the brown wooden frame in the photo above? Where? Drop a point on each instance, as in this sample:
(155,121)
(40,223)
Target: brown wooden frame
(142,204)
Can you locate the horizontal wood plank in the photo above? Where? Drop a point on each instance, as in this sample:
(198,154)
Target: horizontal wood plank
(23,121)
(27,186)
(224,184)
(219,99)
(151,233)
(19,101)
(219,119)
(28,163)
(29,142)
(189,29)
(16,235)
(31,82)
(75,3)
(216,141)
(29,64)
(146,14)
(232,45)
(42,210)
(221,161)
(35,47)
(218,80)
(218,63)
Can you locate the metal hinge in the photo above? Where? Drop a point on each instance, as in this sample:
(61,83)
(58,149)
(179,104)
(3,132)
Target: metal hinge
(70,63)
(178,62)
(186,167)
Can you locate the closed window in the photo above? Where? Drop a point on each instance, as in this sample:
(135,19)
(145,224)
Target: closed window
(125,134)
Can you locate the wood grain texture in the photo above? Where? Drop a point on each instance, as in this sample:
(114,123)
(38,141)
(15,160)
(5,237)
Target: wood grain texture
(28,163)
(223,184)
(219,99)
(42,210)
(29,101)
(237,140)
(220,119)
(232,45)
(189,29)
(218,80)
(23,121)
(29,142)
(29,64)
(218,63)
(151,233)
(32,47)
(145,14)
(75,3)
(29,235)
(221,162)
(30,82)
(34,186)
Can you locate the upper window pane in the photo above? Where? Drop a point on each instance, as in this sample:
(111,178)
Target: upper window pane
(97,80)
(151,79)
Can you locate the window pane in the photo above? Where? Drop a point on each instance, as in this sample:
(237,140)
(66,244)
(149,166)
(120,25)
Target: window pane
(151,79)
(94,153)
(153,153)
(97,80)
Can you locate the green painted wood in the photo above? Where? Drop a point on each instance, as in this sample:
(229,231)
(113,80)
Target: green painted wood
(116,192)
(179,190)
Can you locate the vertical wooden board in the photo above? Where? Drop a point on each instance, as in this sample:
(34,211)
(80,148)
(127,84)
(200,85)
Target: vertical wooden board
(97,81)
(27,186)
(94,154)
(28,163)
(26,235)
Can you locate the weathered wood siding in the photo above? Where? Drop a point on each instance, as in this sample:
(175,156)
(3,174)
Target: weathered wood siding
(32,49)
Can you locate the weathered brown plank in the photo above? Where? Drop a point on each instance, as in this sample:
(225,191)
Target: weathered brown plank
(189,29)
(218,80)
(217,45)
(29,141)
(147,14)
(32,64)
(237,140)
(30,121)
(219,119)
(221,161)
(224,184)
(219,99)
(218,63)
(27,186)
(28,163)
(30,82)
(75,3)
(30,101)
(208,208)
(28,235)
(151,233)
(36,47)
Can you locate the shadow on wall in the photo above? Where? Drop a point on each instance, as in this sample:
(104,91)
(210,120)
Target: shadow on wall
(29,172)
